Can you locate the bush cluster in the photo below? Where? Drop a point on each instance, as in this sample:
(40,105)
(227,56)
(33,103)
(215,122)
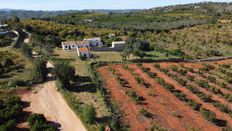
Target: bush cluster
(38,122)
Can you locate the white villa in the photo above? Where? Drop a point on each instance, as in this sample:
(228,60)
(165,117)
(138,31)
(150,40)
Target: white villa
(4,29)
(84,51)
(112,35)
(83,43)
(90,42)
(69,45)
(94,41)
(118,43)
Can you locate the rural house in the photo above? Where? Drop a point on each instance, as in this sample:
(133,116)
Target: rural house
(84,51)
(94,41)
(118,45)
(83,43)
(4,29)
(69,45)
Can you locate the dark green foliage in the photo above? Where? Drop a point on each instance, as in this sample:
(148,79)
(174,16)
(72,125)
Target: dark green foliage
(182,72)
(144,112)
(27,50)
(174,68)
(64,73)
(207,67)
(38,122)
(222,107)
(10,112)
(145,46)
(15,83)
(209,115)
(7,62)
(133,96)
(89,114)
(194,105)
(40,69)
(203,84)
(181,96)
(191,78)
(140,80)
(214,53)
(204,97)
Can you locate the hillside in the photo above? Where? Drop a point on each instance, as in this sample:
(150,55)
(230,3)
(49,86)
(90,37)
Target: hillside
(173,70)
(27,14)
(156,19)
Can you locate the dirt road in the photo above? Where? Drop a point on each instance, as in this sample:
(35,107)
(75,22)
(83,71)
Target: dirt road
(45,99)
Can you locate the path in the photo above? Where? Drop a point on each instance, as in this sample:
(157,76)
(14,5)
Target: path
(45,99)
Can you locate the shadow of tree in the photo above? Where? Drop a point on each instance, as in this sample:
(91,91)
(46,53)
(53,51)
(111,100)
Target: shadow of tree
(26,114)
(84,87)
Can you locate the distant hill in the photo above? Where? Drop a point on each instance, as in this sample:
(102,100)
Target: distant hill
(203,6)
(27,14)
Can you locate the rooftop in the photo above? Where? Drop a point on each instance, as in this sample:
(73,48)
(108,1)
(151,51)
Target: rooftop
(83,49)
(69,42)
(118,42)
(96,38)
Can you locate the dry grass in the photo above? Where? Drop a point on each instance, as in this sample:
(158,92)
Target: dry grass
(81,67)
(19,59)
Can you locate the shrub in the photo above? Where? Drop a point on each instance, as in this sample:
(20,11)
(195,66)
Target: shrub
(196,106)
(10,111)
(152,74)
(15,83)
(204,97)
(190,69)
(190,78)
(222,107)
(89,114)
(157,66)
(207,67)
(8,126)
(144,112)
(27,50)
(181,96)
(212,79)
(181,81)
(7,62)
(40,70)
(140,80)
(38,122)
(133,95)
(182,72)
(157,127)
(174,68)
(209,115)
(227,66)
(216,90)
(164,70)
(203,84)
(64,72)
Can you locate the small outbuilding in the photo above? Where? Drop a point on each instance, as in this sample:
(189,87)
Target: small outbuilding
(94,41)
(84,51)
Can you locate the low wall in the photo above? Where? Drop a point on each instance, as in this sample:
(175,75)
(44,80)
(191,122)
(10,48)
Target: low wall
(118,49)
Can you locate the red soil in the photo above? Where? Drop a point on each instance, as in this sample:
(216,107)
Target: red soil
(130,110)
(162,104)
(192,96)
(214,97)
(190,118)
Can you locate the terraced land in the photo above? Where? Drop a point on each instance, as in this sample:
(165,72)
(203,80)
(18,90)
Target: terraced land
(172,96)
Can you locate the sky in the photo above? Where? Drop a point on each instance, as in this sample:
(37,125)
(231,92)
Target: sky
(91,4)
